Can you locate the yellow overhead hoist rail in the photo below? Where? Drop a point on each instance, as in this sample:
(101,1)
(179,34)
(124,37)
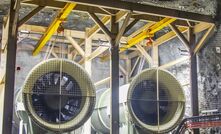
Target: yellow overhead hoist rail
(147,33)
(61,16)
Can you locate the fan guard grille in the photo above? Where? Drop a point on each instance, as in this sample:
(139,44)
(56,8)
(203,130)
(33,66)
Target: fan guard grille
(156,101)
(59,95)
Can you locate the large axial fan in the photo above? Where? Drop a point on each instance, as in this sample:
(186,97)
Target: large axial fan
(59,95)
(155,103)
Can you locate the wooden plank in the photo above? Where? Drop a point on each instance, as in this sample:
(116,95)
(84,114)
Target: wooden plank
(76,46)
(180,36)
(123,27)
(123,70)
(172,63)
(67,32)
(105,20)
(145,54)
(87,66)
(104,81)
(155,56)
(205,37)
(4,33)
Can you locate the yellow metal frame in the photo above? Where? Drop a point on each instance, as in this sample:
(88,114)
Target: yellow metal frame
(62,15)
(148,33)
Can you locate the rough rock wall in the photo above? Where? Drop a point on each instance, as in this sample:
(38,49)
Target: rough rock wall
(198,6)
(210,73)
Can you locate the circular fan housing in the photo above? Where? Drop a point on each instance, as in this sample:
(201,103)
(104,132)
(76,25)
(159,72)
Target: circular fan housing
(156,101)
(59,95)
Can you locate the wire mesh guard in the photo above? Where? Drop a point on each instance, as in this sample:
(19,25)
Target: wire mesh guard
(59,95)
(156,101)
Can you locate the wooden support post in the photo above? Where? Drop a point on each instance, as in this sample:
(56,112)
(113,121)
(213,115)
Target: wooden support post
(193,78)
(155,56)
(145,54)
(114,129)
(10,68)
(128,69)
(87,66)
(75,45)
(4,33)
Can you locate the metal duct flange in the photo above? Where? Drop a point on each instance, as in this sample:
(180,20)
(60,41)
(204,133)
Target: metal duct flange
(58,95)
(156,101)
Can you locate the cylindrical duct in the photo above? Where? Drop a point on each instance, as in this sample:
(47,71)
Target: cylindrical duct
(100,118)
(58,95)
(154,99)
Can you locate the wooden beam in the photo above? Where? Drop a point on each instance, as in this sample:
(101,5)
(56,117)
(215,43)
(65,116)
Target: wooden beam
(88,68)
(145,54)
(205,37)
(172,63)
(76,46)
(123,27)
(155,56)
(128,68)
(134,67)
(31,14)
(123,70)
(133,54)
(100,24)
(27,47)
(4,33)
(120,15)
(180,36)
(134,22)
(171,35)
(97,52)
(67,32)
(105,20)
(101,82)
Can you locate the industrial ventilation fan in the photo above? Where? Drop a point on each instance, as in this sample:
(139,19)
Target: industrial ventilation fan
(58,95)
(154,102)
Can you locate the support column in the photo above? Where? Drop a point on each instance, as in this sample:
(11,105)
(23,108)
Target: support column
(114,78)
(193,76)
(10,68)
(128,69)
(155,56)
(87,66)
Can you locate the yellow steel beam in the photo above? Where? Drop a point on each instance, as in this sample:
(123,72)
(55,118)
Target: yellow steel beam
(62,15)
(148,33)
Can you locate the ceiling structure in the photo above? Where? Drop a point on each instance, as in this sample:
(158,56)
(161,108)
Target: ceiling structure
(139,23)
